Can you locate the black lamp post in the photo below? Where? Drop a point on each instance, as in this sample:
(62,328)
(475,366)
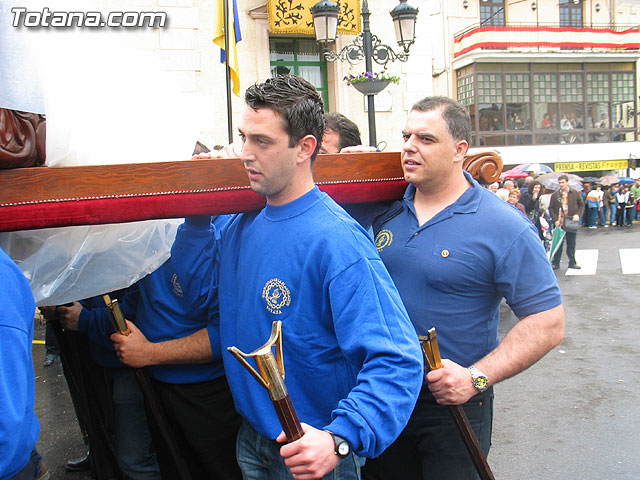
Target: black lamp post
(365,45)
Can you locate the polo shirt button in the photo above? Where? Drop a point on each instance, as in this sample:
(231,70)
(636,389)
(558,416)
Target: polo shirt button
(444,253)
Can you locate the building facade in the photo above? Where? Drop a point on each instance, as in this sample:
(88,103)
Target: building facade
(552,80)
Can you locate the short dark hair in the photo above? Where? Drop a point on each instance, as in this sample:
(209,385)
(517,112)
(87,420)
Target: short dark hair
(347,130)
(563,177)
(455,115)
(296,100)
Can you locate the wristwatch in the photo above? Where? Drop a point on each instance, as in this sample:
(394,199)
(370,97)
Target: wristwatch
(342,447)
(480,380)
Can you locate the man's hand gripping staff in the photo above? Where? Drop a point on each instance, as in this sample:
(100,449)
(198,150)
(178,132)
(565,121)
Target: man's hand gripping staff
(120,326)
(433,361)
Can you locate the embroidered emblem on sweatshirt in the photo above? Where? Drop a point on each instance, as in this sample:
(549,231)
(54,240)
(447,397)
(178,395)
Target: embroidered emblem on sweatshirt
(177,288)
(277,295)
(384,238)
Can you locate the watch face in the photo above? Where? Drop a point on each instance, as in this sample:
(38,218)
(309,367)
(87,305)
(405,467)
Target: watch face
(343,449)
(481,382)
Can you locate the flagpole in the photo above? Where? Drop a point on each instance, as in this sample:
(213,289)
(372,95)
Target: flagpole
(226,64)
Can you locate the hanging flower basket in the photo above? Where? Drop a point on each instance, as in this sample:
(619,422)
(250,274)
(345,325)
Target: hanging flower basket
(369,83)
(371,87)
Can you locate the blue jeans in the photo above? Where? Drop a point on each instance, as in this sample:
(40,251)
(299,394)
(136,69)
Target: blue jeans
(259,459)
(32,469)
(628,217)
(593,216)
(612,212)
(135,455)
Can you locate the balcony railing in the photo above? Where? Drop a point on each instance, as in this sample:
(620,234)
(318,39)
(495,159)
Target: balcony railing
(536,37)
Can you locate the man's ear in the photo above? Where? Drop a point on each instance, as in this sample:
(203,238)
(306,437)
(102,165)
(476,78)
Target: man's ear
(307,145)
(460,147)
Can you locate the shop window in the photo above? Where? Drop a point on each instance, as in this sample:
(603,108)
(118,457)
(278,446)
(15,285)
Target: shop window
(551,107)
(517,95)
(465,90)
(545,97)
(598,115)
(491,117)
(518,117)
(622,86)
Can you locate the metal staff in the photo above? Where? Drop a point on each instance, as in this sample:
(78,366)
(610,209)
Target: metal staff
(431,352)
(149,393)
(271,377)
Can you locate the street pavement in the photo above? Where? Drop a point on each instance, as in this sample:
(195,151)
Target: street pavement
(572,416)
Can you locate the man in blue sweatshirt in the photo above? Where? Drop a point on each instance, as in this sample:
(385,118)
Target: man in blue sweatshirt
(352,359)
(188,376)
(19,427)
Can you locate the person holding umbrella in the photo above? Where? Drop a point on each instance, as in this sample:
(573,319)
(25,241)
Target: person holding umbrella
(566,205)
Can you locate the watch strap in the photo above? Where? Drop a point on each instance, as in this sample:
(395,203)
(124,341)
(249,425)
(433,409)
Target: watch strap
(342,447)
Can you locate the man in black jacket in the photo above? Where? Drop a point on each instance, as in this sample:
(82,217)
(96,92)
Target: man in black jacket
(566,204)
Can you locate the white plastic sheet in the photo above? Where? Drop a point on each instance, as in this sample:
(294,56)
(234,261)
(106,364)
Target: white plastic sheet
(72,263)
(107,99)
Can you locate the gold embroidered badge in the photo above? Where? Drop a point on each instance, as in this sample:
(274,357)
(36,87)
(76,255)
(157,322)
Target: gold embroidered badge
(277,295)
(177,288)
(383,239)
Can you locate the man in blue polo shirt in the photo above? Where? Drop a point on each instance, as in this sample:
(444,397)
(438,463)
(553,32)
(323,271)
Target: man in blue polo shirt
(455,250)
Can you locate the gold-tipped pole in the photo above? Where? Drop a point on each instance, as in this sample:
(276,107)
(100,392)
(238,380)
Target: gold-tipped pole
(270,375)
(432,358)
(117,317)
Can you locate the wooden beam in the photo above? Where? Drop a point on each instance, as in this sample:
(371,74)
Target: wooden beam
(64,196)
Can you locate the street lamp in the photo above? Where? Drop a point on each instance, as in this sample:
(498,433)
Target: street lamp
(365,45)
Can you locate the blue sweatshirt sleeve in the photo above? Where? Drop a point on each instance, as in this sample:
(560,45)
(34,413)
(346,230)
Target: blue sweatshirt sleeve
(377,337)
(96,323)
(193,254)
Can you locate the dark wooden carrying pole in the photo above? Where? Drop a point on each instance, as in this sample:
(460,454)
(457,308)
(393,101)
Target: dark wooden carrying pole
(149,393)
(433,361)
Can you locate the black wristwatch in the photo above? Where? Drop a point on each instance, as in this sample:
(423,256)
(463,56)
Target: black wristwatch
(342,446)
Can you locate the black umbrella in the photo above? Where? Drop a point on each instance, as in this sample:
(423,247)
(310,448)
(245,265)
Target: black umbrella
(590,179)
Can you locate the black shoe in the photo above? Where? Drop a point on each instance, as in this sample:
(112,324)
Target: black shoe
(78,465)
(556,267)
(575,266)
(49,359)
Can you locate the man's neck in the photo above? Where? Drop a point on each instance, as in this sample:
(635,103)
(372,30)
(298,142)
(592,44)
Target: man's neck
(300,187)
(428,201)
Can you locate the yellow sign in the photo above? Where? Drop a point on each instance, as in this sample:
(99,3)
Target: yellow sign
(294,16)
(591,165)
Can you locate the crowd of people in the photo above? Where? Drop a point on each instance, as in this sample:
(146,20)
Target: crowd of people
(353,289)
(595,206)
